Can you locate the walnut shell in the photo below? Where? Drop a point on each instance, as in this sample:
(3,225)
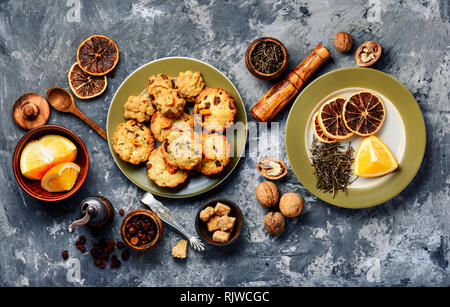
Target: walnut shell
(274,222)
(267,194)
(271,168)
(291,204)
(368,53)
(343,42)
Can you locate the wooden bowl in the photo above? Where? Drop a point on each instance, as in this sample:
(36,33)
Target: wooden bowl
(33,187)
(155,219)
(202,229)
(252,68)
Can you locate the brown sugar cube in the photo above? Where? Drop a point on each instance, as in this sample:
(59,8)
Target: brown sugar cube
(221,236)
(212,223)
(222,209)
(206,213)
(226,223)
(180,249)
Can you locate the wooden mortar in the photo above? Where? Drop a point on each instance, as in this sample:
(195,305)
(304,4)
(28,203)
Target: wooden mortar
(284,90)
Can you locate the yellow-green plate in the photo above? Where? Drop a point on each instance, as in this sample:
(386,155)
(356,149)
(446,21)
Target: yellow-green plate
(135,83)
(407,115)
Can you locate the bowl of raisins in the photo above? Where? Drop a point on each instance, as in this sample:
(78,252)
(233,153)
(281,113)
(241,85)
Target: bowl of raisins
(141,229)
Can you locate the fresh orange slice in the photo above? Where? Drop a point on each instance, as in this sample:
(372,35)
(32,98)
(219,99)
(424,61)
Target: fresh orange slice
(318,131)
(364,113)
(98,55)
(39,156)
(84,85)
(61,177)
(374,159)
(330,119)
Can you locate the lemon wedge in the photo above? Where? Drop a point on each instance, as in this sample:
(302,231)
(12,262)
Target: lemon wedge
(374,159)
(61,177)
(39,156)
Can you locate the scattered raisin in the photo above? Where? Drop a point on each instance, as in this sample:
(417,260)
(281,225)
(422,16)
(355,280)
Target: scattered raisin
(82,239)
(121,211)
(65,254)
(120,245)
(126,255)
(216,100)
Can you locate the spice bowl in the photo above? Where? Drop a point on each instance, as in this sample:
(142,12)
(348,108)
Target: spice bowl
(33,187)
(202,228)
(250,54)
(141,230)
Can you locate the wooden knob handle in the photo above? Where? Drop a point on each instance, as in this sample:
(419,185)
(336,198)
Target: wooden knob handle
(30,110)
(283,91)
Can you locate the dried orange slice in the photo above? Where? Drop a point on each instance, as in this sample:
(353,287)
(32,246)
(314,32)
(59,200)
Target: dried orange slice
(98,55)
(38,156)
(374,159)
(364,113)
(318,131)
(61,177)
(84,85)
(330,119)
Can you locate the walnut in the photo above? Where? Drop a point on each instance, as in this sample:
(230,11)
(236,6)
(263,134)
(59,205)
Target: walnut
(291,204)
(271,168)
(343,42)
(274,222)
(368,53)
(267,194)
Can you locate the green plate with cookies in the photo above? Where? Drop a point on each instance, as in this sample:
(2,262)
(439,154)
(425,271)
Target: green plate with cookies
(156,117)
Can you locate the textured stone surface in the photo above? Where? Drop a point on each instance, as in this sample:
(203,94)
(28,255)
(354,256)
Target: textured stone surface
(402,242)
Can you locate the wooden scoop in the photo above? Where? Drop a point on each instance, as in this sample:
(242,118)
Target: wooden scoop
(63,101)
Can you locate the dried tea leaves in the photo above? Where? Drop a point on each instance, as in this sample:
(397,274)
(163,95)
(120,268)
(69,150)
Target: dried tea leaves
(332,166)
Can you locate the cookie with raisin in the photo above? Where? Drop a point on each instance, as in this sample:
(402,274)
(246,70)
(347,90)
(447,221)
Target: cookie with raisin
(216,153)
(161,174)
(161,125)
(158,85)
(133,142)
(189,84)
(214,109)
(182,149)
(170,104)
(138,108)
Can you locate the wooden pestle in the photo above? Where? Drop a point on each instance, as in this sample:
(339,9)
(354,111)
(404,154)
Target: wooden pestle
(284,90)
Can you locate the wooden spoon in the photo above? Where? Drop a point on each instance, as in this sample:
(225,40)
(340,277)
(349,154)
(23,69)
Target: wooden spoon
(63,101)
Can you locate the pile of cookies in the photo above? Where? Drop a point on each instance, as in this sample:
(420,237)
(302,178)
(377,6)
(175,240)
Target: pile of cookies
(189,143)
(218,222)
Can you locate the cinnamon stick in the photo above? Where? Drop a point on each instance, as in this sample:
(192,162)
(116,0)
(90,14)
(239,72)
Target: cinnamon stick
(284,90)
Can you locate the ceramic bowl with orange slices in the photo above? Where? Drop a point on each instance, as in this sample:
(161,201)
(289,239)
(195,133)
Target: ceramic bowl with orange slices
(50,163)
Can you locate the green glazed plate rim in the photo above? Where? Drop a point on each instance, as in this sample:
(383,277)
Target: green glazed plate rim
(367,78)
(136,173)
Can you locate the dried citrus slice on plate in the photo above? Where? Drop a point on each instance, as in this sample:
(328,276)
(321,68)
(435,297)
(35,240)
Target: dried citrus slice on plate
(39,156)
(330,119)
(318,131)
(61,177)
(98,55)
(374,159)
(84,85)
(364,113)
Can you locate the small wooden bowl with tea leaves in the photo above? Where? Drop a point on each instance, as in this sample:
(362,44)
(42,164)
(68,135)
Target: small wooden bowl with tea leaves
(266,58)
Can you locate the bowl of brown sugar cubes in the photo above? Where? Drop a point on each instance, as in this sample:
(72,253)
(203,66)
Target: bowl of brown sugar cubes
(219,221)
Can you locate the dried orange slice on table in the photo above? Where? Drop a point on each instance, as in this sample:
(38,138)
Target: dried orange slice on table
(374,159)
(84,85)
(330,119)
(61,177)
(364,113)
(318,131)
(39,156)
(98,55)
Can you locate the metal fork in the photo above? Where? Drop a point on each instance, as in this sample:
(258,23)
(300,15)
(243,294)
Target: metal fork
(166,215)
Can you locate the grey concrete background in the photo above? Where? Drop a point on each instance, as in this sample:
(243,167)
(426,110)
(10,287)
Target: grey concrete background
(404,242)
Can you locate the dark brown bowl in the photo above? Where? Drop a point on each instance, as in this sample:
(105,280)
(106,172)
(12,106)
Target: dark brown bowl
(33,187)
(202,229)
(155,219)
(252,68)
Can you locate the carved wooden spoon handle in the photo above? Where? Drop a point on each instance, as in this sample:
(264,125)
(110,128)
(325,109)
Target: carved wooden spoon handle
(88,121)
